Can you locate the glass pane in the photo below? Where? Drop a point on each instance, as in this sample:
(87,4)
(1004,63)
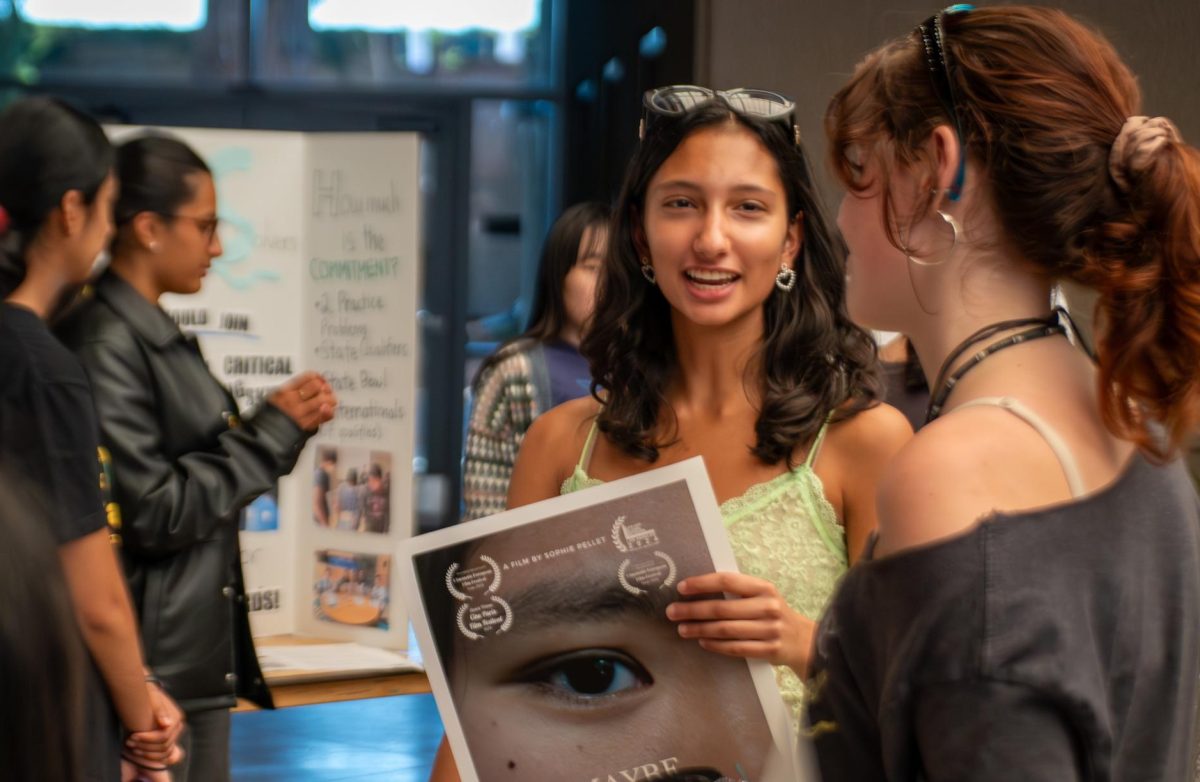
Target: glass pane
(511,153)
(497,16)
(465,42)
(177,15)
(141,42)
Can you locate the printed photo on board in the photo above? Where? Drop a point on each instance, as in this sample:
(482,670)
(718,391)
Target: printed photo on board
(351,489)
(352,589)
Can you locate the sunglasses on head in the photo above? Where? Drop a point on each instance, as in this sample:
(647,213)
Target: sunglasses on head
(679,99)
(933,37)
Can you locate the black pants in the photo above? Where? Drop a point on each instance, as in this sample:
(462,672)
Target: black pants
(206,742)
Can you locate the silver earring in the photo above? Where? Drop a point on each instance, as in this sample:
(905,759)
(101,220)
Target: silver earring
(786,279)
(648,272)
(955,226)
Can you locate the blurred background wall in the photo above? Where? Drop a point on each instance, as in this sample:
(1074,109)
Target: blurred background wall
(807,50)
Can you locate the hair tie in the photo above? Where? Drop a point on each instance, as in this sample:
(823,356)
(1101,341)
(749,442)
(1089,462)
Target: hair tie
(5,222)
(1136,145)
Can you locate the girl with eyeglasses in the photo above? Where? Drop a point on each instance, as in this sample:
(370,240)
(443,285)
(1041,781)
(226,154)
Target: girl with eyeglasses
(721,331)
(1030,608)
(185,461)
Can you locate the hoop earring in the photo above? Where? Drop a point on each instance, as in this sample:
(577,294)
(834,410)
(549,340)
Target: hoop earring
(955,226)
(786,279)
(648,272)
(912,284)
(908,268)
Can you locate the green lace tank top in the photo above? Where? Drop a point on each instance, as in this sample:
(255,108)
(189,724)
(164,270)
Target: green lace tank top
(784,531)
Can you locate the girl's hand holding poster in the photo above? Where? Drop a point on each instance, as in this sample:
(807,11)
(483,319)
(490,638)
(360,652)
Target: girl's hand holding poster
(551,657)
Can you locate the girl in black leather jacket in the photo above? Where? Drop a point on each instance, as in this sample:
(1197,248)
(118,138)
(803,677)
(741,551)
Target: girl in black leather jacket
(185,461)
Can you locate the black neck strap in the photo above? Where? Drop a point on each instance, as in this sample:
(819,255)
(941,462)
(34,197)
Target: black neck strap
(945,383)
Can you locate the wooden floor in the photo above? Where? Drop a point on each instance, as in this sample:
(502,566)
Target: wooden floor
(371,740)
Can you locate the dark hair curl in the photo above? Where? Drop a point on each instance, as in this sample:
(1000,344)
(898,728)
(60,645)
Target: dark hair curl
(813,361)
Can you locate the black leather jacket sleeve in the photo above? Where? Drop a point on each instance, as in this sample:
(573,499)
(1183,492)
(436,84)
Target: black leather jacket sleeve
(181,492)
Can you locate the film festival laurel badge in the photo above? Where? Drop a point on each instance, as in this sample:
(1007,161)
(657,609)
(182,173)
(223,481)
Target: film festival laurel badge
(645,568)
(482,612)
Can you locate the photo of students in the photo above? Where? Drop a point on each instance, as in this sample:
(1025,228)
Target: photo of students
(352,489)
(555,634)
(343,591)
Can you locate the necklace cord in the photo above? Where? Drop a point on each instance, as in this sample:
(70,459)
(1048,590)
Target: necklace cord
(1039,328)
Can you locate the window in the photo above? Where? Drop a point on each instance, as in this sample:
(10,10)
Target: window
(177,15)
(144,42)
(511,209)
(383,42)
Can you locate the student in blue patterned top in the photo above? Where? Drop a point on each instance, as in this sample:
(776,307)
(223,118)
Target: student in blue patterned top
(721,331)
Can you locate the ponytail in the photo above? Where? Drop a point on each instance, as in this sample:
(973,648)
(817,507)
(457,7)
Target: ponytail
(1145,268)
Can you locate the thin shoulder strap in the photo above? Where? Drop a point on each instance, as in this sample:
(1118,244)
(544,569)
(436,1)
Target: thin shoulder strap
(1062,451)
(811,459)
(585,458)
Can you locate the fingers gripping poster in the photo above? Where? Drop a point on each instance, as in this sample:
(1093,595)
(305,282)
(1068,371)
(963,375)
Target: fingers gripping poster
(548,648)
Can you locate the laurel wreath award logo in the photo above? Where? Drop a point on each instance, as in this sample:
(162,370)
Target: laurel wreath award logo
(482,612)
(645,570)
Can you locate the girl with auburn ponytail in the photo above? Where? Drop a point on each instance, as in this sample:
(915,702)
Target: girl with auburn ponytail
(1030,606)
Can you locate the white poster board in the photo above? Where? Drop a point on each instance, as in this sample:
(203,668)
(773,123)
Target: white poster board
(320,271)
(549,652)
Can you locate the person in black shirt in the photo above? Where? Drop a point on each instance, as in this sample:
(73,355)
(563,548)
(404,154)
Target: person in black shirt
(1030,607)
(56,194)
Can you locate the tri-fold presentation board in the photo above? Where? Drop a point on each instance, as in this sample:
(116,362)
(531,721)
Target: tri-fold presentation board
(320,271)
